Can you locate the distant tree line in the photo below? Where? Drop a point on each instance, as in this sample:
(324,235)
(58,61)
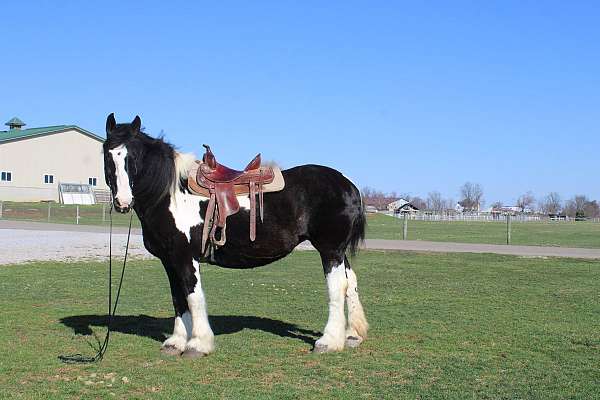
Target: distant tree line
(472,200)
(579,206)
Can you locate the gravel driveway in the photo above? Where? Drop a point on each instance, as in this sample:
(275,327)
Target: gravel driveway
(30,245)
(37,241)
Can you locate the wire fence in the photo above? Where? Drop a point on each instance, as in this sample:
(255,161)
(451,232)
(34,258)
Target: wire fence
(97,214)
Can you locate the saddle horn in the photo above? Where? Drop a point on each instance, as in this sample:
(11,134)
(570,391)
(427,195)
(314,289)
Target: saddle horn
(209,158)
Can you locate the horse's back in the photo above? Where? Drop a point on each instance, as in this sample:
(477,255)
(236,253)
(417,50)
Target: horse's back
(316,202)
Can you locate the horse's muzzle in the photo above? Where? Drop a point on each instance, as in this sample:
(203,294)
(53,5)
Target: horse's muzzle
(122,209)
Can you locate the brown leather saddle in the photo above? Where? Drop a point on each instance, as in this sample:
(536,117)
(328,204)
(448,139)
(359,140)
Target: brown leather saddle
(222,185)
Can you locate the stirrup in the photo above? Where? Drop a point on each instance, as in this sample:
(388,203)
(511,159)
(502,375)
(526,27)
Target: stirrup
(223,238)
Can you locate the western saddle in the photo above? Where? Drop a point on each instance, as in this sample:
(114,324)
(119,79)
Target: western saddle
(222,185)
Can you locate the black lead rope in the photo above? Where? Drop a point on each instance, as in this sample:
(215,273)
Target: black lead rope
(79,358)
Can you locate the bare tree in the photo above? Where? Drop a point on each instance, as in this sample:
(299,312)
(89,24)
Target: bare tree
(497,205)
(551,204)
(592,209)
(581,207)
(525,201)
(575,207)
(435,202)
(418,202)
(472,196)
(376,198)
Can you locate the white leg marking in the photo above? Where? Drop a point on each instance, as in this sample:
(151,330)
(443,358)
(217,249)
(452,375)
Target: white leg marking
(334,335)
(202,337)
(357,323)
(124,195)
(181,332)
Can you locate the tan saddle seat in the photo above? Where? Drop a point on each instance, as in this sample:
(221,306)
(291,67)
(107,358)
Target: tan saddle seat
(222,185)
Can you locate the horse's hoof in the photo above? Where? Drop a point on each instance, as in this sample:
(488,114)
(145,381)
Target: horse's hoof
(170,350)
(192,353)
(320,348)
(353,342)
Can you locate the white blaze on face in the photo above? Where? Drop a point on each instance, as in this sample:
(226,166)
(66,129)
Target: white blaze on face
(124,195)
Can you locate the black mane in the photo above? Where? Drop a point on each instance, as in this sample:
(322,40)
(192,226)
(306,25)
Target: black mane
(151,164)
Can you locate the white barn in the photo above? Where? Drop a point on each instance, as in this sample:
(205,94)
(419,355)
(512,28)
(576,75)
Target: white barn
(401,205)
(33,162)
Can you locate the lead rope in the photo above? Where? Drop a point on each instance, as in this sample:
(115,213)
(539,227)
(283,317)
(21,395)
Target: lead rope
(79,358)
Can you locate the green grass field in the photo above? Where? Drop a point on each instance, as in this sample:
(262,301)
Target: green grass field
(443,327)
(63,214)
(565,234)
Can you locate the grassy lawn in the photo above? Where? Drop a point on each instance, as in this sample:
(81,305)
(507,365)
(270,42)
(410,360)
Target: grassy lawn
(566,234)
(443,327)
(63,214)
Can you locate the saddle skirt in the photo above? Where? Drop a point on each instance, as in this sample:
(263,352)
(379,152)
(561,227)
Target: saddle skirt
(222,185)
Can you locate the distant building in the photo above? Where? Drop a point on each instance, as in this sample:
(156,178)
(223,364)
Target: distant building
(512,210)
(34,161)
(401,206)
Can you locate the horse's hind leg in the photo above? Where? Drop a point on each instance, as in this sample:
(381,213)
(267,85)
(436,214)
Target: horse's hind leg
(357,328)
(334,335)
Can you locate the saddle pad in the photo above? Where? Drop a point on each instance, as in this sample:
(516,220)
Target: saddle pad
(275,186)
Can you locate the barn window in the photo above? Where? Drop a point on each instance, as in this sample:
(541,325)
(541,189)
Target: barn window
(48,178)
(6,176)
(93,181)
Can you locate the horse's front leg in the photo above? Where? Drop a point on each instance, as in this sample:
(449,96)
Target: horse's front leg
(175,344)
(202,340)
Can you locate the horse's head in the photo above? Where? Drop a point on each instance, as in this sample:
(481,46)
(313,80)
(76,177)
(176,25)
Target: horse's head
(123,154)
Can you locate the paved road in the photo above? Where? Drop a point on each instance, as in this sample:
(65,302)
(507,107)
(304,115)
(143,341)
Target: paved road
(448,247)
(70,242)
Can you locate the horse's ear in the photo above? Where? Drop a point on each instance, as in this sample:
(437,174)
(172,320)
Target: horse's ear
(110,124)
(136,125)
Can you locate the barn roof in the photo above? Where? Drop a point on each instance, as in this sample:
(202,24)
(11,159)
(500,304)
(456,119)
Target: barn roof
(398,203)
(15,134)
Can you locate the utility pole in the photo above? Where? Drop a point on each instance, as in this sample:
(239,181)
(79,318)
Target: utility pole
(508,227)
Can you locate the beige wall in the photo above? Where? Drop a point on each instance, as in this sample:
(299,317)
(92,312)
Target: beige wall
(70,156)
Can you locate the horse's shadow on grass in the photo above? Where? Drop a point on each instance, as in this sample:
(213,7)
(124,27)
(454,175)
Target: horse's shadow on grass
(155,328)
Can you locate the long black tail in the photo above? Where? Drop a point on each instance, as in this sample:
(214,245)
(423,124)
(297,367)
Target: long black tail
(359,226)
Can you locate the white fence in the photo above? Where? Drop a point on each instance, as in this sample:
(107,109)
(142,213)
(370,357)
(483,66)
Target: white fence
(485,217)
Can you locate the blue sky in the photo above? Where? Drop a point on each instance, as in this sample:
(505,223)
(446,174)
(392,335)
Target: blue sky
(399,96)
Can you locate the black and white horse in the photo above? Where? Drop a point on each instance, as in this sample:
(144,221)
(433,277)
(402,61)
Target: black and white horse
(317,204)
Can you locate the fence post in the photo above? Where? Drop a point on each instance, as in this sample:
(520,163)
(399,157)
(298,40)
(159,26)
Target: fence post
(77,219)
(405,227)
(508,226)
(49,205)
